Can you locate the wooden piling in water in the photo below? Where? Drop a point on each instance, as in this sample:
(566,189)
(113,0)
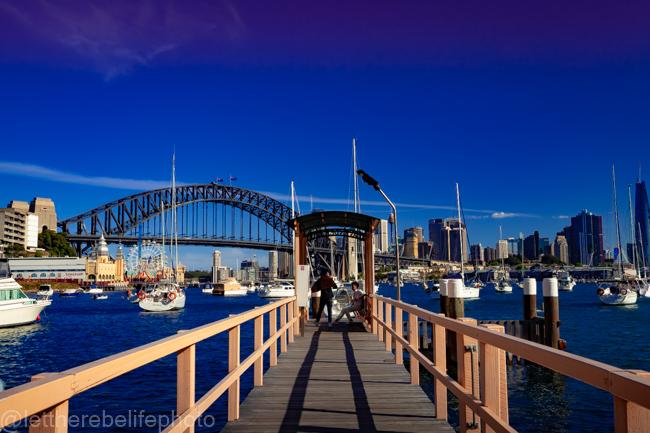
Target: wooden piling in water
(551,313)
(443,296)
(530,306)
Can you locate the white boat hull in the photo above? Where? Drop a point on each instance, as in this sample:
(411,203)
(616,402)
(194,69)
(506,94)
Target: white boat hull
(95,291)
(148,304)
(236,292)
(566,286)
(471,292)
(276,293)
(208,291)
(609,298)
(21,313)
(503,289)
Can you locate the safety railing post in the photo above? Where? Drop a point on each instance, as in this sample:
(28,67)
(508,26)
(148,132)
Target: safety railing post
(234,358)
(258,341)
(380,316)
(290,312)
(439,343)
(52,420)
(413,343)
(273,330)
(388,317)
(467,366)
(491,376)
(186,381)
(398,326)
(283,322)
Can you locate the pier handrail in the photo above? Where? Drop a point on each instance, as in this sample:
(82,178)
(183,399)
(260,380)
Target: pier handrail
(629,388)
(48,393)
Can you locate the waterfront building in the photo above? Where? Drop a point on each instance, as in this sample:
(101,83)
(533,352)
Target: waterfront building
(48,268)
(216,264)
(502,249)
(410,245)
(381,237)
(100,267)
(476,253)
(445,235)
(586,239)
(285,265)
(13,226)
(44,208)
(642,221)
(273,266)
(418,232)
(424,249)
(531,246)
(436,237)
(560,248)
(544,246)
(489,254)
(513,246)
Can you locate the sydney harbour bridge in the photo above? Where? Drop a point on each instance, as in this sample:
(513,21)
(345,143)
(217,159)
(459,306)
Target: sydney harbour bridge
(209,214)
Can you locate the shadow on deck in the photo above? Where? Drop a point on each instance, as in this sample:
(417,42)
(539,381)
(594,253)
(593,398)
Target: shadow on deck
(335,381)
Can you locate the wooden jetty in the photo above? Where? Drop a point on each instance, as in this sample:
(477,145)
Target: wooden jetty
(337,380)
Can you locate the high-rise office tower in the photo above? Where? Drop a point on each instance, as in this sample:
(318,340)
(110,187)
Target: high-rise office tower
(642,229)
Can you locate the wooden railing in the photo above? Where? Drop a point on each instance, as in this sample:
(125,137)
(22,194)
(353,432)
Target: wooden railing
(48,394)
(480,380)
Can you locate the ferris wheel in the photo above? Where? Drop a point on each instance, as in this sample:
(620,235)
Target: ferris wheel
(146,260)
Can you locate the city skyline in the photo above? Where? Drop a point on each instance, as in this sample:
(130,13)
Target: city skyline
(528,121)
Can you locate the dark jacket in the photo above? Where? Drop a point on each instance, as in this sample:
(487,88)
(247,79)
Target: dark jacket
(324,285)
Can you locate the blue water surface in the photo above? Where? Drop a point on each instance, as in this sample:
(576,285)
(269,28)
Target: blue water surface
(77,330)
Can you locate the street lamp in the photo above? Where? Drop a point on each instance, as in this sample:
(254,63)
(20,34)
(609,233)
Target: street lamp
(373,183)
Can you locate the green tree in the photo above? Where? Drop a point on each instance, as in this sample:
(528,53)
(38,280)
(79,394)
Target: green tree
(55,244)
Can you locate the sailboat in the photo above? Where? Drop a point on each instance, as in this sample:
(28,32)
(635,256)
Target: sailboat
(619,291)
(166,295)
(471,289)
(502,285)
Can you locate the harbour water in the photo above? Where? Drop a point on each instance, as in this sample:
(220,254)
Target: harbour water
(78,329)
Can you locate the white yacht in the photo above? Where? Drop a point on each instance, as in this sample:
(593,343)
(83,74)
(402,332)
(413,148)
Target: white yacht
(619,293)
(503,286)
(162,296)
(471,289)
(277,290)
(16,308)
(207,288)
(565,281)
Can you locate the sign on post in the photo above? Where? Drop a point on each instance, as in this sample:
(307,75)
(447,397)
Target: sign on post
(303,288)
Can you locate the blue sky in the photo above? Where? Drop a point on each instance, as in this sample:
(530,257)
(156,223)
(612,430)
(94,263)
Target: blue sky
(530,134)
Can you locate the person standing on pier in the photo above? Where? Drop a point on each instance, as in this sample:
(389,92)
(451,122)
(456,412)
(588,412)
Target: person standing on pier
(356,305)
(325,285)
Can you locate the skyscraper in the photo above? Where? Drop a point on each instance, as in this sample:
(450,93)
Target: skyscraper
(445,235)
(586,239)
(476,252)
(502,249)
(531,246)
(216,264)
(642,229)
(560,248)
(273,265)
(436,237)
(381,236)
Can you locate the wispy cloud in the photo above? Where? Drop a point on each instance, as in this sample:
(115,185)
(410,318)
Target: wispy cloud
(40,172)
(115,40)
(561,217)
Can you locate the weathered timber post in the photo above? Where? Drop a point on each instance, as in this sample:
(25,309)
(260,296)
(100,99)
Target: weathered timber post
(630,417)
(54,419)
(530,306)
(551,313)
(493,378)
(456,306)
(443,296)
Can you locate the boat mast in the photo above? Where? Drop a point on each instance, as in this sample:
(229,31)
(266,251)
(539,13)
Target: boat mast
(460,234)
(618,226)
(642,265)
(174,219)
(632,229)
(503,265)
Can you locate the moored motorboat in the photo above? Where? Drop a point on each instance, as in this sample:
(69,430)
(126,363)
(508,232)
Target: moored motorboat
(100,297)
(45,291)
(16,308)
(229,287)
(69,292)
(94,290)
(565,281)
(207,288)
(278,290)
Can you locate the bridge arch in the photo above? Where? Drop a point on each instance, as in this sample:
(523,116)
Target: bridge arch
(202,215)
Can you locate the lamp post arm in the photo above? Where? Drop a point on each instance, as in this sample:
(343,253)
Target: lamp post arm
(395,233)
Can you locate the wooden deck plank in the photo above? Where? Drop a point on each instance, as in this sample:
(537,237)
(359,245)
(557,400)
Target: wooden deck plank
(337,381)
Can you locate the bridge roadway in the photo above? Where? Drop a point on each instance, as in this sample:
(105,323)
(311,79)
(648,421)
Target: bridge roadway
(337,381)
